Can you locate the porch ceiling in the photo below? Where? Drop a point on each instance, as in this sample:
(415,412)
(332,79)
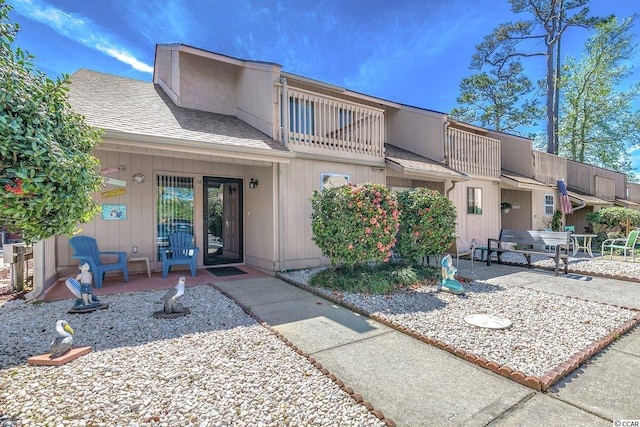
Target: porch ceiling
(409,163)
(521,182)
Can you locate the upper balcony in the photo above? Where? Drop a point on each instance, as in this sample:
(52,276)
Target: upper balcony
(471,153)
(323,125)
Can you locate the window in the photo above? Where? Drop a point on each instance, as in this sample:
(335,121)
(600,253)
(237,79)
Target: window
(549,204)
(329,180)
(175,208)
(474,200)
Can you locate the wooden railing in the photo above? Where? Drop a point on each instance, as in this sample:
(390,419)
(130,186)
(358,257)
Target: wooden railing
(471,153)
(324,125)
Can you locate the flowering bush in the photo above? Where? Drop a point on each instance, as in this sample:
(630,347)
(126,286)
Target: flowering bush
(428,223)
(47,171)
(355,224)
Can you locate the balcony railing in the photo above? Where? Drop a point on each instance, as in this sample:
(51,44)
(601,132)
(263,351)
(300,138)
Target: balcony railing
(472,154)
(321,124)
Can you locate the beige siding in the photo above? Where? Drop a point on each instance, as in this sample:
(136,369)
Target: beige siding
(540,220)
(208,85)
(395,179)
(139,227)
(256,94)
(479,227)
(548,168)
(515,153)
(421,132)
(299,179)
(634,192)
(619,184)
(520,216)
(163,67)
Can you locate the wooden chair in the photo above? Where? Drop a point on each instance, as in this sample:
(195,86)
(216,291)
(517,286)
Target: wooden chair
(181,250)
(86,250)
(625,245)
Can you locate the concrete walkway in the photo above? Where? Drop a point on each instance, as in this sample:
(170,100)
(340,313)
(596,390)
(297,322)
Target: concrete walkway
(415,384)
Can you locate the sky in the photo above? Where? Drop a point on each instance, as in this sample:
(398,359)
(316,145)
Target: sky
(414,52)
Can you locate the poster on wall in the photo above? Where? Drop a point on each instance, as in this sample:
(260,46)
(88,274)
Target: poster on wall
(114,212)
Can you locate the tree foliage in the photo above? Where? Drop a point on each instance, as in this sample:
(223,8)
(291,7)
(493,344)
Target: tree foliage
(598,125)
(46,170)
(548,21)
(355,224)
(500,99)
(427,223)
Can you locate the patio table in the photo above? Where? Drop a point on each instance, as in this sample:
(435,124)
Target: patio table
(584,244)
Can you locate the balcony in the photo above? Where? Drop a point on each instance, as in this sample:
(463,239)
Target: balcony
(318,124)
(472,154)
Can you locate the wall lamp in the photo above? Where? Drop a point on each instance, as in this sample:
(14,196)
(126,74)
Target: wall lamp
(253,183)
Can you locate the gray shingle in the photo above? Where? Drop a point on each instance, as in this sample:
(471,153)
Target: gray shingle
(134,106)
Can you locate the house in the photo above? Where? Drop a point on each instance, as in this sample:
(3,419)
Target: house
(231,151)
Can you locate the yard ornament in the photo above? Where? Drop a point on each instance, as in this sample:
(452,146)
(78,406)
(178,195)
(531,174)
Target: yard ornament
(81,287)
(449,282)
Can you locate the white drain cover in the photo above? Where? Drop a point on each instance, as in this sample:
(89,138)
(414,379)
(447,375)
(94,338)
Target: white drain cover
(487,321)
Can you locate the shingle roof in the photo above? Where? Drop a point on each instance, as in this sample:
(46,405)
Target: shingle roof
(413,164)
(137,107)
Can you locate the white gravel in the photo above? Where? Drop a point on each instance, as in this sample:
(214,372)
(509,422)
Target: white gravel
(214,367)
(546,329)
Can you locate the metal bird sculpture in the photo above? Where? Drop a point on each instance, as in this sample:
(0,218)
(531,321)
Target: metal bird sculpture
(169,298)
(62,343)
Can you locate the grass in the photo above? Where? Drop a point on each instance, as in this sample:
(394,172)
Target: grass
(376,279)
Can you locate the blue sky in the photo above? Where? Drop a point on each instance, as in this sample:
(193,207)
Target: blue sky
(414,52)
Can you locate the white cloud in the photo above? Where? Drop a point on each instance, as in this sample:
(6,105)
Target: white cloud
(79,29)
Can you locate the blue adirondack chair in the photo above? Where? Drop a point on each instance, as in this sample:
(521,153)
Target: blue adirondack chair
(86,250)
(181,250)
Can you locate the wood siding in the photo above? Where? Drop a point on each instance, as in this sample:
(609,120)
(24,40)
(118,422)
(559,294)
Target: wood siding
(520,215)
(208,85)
(515,154)
(421,132)
(298,181)
(548,168)
(634,192)
(139,228)
(256,98)
(602,183)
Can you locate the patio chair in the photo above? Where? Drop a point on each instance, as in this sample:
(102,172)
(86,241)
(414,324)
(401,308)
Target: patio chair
(181,250)
(627,244)
(86,250)
(460,248)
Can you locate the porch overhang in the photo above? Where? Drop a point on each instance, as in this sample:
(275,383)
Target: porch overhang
(587,200)
(627,204)
(167,145)
(408,163)
(521,182)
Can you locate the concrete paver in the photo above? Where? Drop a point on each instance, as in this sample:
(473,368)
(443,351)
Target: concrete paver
(416,384)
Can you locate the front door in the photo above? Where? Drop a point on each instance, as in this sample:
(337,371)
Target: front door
(222,220)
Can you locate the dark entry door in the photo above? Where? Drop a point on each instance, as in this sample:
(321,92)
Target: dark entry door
(222,220)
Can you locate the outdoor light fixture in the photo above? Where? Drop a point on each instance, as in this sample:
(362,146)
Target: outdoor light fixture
(253,183)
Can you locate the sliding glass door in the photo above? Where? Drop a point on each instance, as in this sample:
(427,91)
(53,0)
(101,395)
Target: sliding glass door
(175,208)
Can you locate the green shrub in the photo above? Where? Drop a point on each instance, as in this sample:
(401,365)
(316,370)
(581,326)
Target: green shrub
(377,279)
(355,224)
(427,223)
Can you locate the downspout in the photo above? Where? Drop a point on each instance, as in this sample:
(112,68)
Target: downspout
(284,116)
(281,223)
